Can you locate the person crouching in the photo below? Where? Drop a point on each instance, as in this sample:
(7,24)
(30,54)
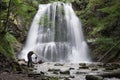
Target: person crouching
(29,56)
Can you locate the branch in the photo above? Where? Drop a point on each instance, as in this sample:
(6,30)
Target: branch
(108,51)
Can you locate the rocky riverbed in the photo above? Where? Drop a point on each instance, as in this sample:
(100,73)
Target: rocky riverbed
(78,71)
(18,70)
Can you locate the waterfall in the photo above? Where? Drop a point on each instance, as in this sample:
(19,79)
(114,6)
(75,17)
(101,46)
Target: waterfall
(56,35)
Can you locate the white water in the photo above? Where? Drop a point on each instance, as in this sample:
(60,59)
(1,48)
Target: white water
(56,35)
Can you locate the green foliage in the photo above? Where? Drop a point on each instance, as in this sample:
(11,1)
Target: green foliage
(11,38)
(44,20)
(100,15)
(107,42)
(50,1)
(101,21)
(18,8)
(60,0)
(94,3)
(23,9)
(6,41)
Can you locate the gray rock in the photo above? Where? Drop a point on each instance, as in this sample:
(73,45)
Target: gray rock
(71,76)
(65,72)
(59,64)
(93,77)
(50,70)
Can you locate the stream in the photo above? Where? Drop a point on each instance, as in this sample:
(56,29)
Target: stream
(75,71)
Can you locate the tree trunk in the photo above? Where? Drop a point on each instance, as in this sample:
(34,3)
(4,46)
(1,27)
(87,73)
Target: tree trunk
(0,15)
(7,17)
(103,75)
(111,74)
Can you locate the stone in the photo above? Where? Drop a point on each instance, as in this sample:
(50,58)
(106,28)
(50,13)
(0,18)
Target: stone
(53,70)
(40,61)
(71,76)
(82,64)
(65,72)
(22,62)
(93,77)
(80,73)
(94,69)
(66,78)
(71,68)
(42,72)
(59,64)
(83,67)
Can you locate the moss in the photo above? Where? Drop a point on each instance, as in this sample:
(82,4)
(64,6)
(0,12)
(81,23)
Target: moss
(6,41)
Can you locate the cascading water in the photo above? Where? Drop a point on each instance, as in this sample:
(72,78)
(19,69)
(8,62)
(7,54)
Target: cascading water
(56,35)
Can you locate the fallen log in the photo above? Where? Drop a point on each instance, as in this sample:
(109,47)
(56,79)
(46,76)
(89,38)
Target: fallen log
(108,52)
(110,74)
(100,76)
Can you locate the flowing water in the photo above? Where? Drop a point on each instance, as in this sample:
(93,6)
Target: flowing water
(56,35)
(77,71)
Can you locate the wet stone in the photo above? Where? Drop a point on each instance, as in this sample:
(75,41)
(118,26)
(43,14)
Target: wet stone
(82,64)
(42,72)
(66,78)
(55,72)
(94,69)
(71,76)
(80,72)
(58,64)
(93,77)
(65,72)
(83,67)
(71,68)
(50,70)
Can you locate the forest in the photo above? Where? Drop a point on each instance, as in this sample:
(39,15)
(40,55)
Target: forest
(100,24)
